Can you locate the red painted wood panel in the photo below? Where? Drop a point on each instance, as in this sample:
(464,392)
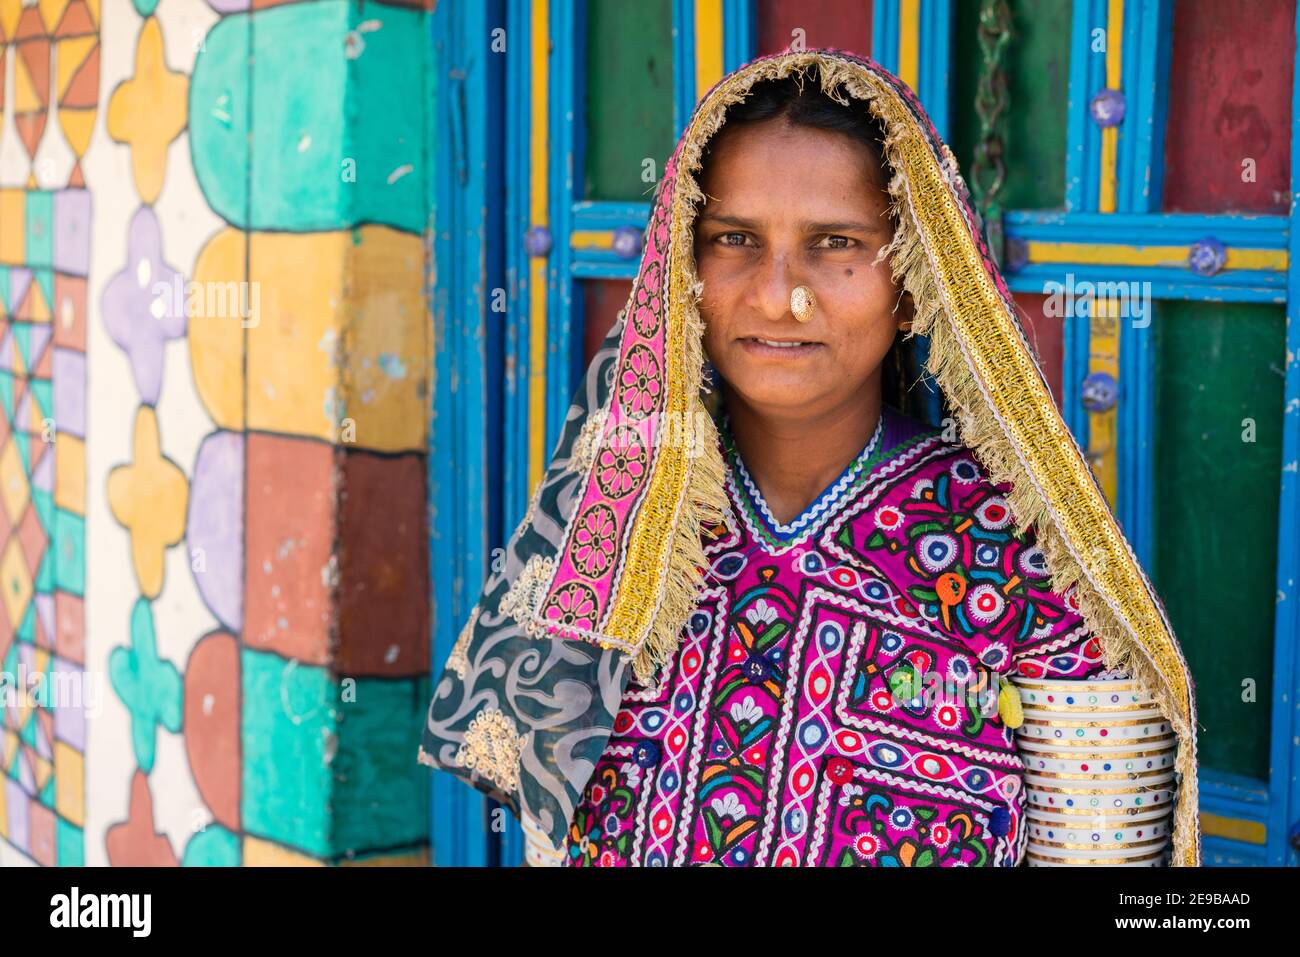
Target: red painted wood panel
(1046,335)
(1230,100)
(843,24)
(602,299)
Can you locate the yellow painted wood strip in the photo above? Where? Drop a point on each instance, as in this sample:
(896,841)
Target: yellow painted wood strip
(1105,254)
(1106,200)
(1109,156)
(1233,828)
(538,213)
(708,45)
(909,42)
(1103,427)
(592,239)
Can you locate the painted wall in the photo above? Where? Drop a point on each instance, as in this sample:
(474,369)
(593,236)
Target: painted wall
(213,374)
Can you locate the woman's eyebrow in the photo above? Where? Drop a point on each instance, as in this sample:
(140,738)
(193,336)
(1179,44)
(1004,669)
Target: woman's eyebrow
(844,226)
(840,226)
(738,221)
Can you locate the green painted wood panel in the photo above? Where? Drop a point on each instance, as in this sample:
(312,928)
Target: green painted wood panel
(1037,66)
(1219,368)
(629,96)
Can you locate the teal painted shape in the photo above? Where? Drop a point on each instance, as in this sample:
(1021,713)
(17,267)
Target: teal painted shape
(23,341)
(43,390)
(39,250)
(145,7)
(381,795)
(214,846)
(28,734)
(7,393)
(4,288)
(22,442)
(334,146)
(70,555)
(149,686)
(288,718)
(27,630)
(44,502)
(219,111)
(46,796)
(45,573)
(69,844)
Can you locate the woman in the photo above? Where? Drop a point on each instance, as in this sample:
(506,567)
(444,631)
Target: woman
(771,624)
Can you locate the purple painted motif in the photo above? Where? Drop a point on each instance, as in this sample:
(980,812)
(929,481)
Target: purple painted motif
(215,527)
(833,701)
(144,305)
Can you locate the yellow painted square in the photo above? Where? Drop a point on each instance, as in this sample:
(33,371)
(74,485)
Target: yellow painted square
(387,344)
(259,853)
(13,227)
(70,473)
(293,335)
(70,783)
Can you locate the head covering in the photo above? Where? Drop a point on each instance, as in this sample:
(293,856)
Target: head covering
(605,567)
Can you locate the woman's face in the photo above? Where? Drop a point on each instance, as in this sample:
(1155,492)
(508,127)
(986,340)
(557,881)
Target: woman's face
(787,206)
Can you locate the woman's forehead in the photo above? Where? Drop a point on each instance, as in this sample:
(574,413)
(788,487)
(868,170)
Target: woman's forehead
(802,171)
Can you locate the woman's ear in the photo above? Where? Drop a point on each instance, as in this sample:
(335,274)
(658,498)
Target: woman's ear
(906,312)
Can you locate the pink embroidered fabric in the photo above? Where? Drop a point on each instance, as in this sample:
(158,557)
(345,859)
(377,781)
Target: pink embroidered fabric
(833,701)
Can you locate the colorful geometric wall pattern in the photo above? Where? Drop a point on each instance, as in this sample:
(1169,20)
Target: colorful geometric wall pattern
(229,535)
(43,261)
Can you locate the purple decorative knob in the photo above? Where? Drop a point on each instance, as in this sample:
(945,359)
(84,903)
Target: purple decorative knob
(537,241)
(1107,108)
(627,242)
(1207,256)
(1100,392)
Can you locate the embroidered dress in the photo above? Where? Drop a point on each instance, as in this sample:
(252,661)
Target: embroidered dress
(792,727)
(656,671)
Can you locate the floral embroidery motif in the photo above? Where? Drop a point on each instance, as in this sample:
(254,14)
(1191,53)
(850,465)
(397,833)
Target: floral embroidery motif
(588,441)
(622,463)
(640,384)
(526,592)
(458,661)
(592,548)
(492,747)
(572,607)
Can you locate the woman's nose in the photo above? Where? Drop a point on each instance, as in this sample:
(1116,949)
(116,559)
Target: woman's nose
(772,285)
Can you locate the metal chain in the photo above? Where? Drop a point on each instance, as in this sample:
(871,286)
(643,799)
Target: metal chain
(988,172)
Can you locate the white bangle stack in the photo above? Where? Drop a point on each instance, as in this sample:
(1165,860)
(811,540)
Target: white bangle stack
(1099,773)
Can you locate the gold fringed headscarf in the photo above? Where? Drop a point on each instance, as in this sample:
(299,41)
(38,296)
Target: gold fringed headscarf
(531,737)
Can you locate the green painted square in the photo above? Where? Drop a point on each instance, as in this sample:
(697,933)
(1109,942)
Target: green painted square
(69,541)
(39,250)
(381,793)
(289,718)
(69,844)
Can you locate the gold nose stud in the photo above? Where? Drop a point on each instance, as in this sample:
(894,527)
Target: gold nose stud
(802,303)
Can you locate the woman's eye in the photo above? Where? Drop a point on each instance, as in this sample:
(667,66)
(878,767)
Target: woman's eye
(732,239)
(835,242)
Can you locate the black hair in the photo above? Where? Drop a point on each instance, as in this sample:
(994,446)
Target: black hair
(800,100)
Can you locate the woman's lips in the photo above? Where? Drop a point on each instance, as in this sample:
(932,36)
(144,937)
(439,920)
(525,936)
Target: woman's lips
(778,348)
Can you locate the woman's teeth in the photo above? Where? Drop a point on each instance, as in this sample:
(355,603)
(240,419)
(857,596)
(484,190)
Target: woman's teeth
(780,345)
